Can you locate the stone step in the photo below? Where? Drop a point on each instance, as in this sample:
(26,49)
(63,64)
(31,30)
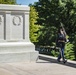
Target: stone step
(17,52)
(16,47)
(18,57)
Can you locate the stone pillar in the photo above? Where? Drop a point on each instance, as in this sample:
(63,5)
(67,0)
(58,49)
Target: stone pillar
(2,29)
(26,26)
(7,25)
(15,45)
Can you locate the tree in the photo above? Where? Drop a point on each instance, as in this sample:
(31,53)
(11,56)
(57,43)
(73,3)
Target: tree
(53,13)
(48,19)
(33,26)
(7,1)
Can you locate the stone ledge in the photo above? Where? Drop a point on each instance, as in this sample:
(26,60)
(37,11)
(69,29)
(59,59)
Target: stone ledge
(18,57)
(16,47)
(14,7)
(15,44)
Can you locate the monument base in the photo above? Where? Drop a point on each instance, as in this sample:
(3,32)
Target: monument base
(17,52)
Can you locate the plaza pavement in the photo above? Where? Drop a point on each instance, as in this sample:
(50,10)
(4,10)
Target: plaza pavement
(45,65)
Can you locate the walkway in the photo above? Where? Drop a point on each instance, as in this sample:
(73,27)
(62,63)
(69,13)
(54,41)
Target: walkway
(45,65)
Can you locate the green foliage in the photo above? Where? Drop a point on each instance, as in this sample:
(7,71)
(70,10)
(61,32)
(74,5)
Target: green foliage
(69,51)
(74,42)
(7,1)
(54,53)
(33,26)
(47,35)
(51,14)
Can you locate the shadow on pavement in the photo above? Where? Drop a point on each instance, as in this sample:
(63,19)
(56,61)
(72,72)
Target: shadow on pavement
(51,60)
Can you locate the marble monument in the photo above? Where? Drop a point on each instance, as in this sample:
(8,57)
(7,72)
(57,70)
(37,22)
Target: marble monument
(15,45)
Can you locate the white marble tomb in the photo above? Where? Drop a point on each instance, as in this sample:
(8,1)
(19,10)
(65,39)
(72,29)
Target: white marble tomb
(15,45)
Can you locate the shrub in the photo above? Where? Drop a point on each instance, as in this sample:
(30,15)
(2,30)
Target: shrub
(69,51)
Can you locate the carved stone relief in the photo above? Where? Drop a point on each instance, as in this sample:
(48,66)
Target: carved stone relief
(16,31)
(16,20)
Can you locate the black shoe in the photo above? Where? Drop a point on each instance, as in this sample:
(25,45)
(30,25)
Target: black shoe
(64,61)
